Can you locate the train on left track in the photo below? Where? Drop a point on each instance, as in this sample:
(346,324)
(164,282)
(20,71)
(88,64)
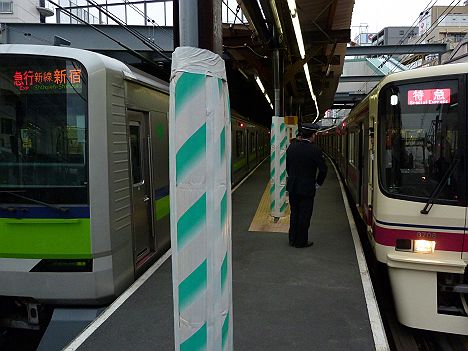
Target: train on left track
(84,180)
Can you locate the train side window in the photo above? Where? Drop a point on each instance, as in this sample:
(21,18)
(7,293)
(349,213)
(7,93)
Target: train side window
(240,143)
(135,152)
(420,140)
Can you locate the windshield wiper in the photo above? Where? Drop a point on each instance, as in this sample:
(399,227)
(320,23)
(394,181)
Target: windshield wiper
(14,193)
(435,193)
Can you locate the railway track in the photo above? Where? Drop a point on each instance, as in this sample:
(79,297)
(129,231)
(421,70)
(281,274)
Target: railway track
(19,340)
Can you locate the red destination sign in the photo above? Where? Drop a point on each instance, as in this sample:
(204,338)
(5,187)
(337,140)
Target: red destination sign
(428,97)
(29,78)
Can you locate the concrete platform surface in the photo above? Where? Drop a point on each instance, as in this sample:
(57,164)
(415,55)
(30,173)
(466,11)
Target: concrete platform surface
(283,298)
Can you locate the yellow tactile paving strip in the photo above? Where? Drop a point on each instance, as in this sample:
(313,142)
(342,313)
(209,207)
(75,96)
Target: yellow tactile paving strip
(263,221)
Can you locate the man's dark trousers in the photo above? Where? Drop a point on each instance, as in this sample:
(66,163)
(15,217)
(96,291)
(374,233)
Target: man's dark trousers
(301,213)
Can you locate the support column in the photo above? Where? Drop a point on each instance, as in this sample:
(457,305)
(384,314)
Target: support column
(278,167)
(279,144)
(188,23)
(200,183)
(200,190)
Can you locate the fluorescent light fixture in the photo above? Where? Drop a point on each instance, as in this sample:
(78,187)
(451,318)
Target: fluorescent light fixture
(297,27)
(243,73)
(311,89)
(261,10)
(300,44)
(259,83)
(262,88)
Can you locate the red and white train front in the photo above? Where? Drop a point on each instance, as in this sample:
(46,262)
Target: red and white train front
(419,219)
(403,152)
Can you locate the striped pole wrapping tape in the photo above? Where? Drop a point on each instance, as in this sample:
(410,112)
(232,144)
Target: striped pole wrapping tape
(200,201)
(279,144)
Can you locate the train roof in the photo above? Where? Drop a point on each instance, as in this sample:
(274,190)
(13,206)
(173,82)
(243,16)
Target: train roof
(91,60)
(441,70)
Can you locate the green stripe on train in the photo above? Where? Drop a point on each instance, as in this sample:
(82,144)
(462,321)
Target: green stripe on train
(45,238)
(239,164)
(161,207)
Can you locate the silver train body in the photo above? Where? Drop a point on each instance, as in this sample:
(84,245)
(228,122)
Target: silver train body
(403,154)
(84,188)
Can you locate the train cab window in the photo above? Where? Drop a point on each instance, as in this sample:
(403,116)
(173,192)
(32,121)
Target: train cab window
(44,129)
(420,140)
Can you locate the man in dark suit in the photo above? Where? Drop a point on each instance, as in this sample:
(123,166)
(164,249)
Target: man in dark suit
(303,159)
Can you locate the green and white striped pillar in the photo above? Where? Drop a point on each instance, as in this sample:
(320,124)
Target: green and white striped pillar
(278,143)
(200,195)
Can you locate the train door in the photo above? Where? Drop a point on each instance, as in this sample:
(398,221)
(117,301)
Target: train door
(141,191)
(358,158)
(365,166)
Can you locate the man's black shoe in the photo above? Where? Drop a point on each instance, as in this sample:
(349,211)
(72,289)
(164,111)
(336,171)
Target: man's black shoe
(291,243)
(309,243)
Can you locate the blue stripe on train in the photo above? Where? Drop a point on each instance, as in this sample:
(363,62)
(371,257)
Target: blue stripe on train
(161,192)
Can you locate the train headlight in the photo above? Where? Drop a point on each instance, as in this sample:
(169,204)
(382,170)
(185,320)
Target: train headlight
(424,246)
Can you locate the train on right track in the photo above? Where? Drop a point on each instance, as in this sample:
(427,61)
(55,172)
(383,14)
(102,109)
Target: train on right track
(403,153)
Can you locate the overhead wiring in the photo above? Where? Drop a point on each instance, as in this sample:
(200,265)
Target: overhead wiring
(430,29)
(409,31)
(130,50)
(135,33)
(435,24)
(149,19)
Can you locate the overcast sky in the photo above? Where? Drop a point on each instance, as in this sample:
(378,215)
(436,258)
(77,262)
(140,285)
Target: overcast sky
(378,14)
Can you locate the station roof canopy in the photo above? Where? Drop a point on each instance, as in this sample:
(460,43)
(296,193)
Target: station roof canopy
(248,50)
(325,30)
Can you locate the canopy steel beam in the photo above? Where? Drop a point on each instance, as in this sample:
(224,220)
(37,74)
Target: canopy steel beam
(348,98)
(396,49)
(350,79)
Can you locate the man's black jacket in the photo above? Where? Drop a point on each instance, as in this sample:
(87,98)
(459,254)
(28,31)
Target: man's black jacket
(302,161)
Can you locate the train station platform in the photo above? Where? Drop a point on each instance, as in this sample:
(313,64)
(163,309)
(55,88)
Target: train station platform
(284,298)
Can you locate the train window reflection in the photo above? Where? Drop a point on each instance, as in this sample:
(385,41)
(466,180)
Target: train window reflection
(135,153)
(418,142)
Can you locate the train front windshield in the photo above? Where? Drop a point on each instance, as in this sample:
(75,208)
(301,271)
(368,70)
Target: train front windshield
(421,141)
(43,130)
